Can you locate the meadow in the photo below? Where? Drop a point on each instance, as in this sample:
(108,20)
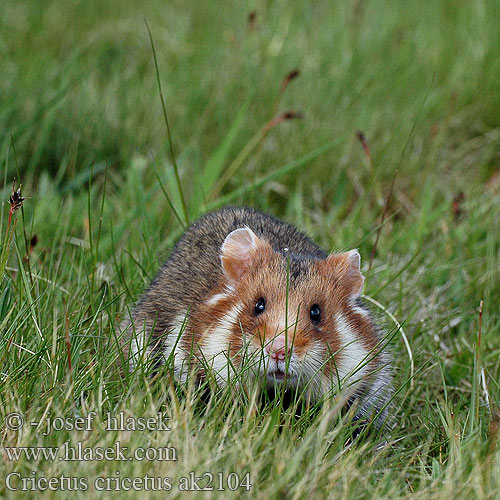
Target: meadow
(369,125)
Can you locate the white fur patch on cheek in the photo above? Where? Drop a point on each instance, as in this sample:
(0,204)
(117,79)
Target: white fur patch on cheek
(215,345)
(352,355)
(311,370)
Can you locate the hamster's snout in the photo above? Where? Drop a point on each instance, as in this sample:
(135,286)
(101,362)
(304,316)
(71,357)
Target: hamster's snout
(279,348)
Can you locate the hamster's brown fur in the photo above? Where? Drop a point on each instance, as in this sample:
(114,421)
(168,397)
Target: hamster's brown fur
(242,288)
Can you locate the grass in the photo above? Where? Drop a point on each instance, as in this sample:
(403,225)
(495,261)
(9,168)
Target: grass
(79,100)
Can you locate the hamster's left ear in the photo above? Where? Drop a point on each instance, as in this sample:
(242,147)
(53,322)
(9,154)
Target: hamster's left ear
(347,267)
(239,250)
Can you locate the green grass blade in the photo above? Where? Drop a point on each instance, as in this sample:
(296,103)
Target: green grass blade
(215,164)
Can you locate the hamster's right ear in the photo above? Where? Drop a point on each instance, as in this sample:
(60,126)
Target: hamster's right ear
(237,252)
(346,267)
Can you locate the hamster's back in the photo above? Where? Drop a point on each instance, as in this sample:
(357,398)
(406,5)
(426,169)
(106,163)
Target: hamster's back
(194,265)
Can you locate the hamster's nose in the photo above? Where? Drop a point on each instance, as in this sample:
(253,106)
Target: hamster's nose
(277,348)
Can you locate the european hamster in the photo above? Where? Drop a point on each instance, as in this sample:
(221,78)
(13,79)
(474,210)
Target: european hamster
(242,288)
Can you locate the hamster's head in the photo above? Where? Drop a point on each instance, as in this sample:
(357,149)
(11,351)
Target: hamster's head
(294,319)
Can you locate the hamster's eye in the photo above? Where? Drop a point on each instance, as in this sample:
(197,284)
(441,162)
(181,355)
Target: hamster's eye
(315,313)
(260,306)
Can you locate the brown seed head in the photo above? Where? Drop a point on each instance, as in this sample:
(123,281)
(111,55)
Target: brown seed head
(252,18)
(16,200)
(288,78)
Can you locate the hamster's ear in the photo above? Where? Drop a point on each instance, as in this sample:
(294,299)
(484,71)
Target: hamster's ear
(237,252)
(347,266)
